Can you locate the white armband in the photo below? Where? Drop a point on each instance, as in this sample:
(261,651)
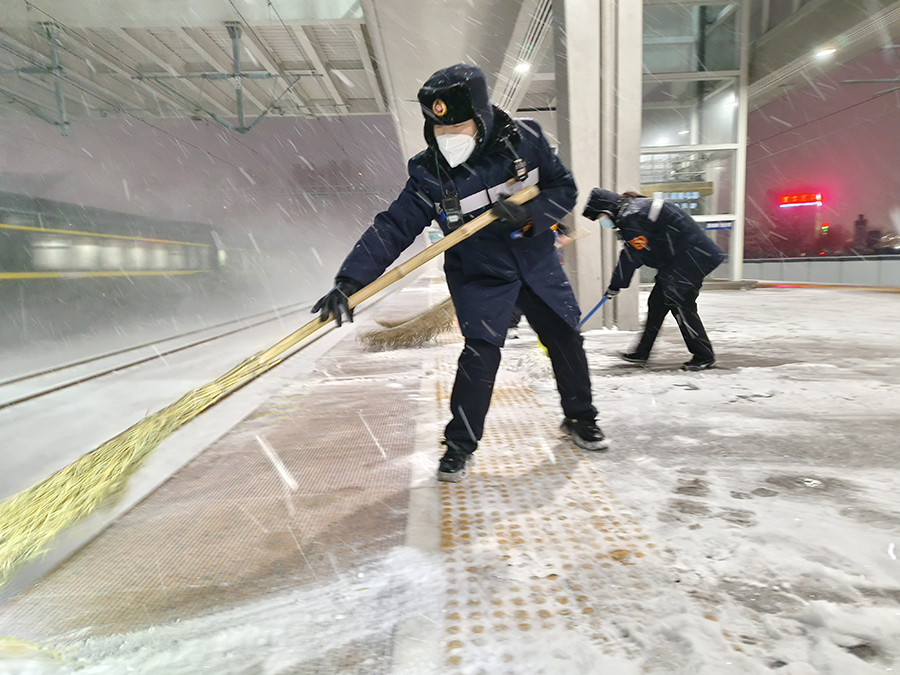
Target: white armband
(655,208)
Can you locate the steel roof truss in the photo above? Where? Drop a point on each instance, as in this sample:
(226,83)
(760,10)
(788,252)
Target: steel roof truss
(366,59)
(314,56)
(86,45)
(64,70)
(28,102)
(260,52)
(210,52)
(154,50)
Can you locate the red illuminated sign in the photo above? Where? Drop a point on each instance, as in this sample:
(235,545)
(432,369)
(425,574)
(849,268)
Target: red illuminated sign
(805,199)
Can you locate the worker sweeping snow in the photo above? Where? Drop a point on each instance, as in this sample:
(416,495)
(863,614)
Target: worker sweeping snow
(659,234)
(477,156)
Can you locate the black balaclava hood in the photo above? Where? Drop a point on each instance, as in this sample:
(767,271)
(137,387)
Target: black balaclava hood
(456,94)
(602,200)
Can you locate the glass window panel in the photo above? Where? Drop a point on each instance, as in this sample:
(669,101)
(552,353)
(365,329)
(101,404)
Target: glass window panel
(690,38)
(709,174)
(720,233)
(689,113)
(722,38)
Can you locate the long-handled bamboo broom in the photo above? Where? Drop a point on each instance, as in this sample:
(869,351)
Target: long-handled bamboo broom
(31,519)
(417,330)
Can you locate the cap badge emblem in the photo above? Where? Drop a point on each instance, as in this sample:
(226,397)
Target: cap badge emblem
(439,108)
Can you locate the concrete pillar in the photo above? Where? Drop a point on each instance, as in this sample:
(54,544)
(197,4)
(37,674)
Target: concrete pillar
(598,87)
(576,31)
(623,23)
(736,252)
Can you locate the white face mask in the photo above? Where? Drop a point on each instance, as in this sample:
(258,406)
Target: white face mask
(606,221)
(456,148)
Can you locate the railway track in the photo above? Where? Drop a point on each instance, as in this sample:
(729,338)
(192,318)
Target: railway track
(34,385)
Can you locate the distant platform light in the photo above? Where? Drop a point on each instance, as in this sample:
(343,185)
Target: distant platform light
(805,199)
(682,133)
(825,52)
(523,67)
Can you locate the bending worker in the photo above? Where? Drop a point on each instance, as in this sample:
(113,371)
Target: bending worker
(661,235)
(476,157)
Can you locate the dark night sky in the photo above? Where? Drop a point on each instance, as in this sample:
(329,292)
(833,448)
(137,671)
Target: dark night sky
(835,138)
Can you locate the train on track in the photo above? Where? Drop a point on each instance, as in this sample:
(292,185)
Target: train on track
(69,270)
(41,239)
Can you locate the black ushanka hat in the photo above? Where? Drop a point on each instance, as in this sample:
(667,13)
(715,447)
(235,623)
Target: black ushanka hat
(447,105)
(456,94)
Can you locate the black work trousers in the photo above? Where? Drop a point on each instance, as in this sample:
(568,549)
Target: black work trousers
(479,361)
(681,300)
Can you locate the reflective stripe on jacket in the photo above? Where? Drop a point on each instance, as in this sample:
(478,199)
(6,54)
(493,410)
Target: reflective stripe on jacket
(485,271)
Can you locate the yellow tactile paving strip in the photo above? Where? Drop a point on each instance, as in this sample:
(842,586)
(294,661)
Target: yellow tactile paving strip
(531,534)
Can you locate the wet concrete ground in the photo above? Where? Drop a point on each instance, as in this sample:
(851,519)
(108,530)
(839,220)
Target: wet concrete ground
(744,520)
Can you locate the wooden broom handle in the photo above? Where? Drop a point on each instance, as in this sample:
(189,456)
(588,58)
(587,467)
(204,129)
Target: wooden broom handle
(397,273)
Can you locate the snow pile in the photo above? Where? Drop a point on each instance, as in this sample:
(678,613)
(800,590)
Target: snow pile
(769,484)
(267,637)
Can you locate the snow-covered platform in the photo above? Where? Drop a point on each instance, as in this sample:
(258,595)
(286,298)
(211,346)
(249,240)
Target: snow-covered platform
(745,520)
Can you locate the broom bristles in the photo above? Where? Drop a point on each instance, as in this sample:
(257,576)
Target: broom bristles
(384,323)
(31,519)
(413,332)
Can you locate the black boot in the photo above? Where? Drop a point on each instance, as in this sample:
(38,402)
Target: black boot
(634,357)
(452,468)
(699,364)
(585,434)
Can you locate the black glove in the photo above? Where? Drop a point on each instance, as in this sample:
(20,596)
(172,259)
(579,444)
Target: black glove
(611,292)
(510,216)
(335,302)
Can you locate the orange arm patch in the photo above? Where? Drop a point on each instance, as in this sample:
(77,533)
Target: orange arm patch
(639,242)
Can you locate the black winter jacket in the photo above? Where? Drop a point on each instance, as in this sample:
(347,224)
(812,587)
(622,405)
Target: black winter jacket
(485,271)
(661,235)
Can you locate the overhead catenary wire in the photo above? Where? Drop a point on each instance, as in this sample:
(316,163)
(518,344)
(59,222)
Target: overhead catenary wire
(114,104)
(178,139)
(297,46)
(795,127)
(127,113)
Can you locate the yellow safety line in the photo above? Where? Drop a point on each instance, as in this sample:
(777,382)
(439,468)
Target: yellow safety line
(84,275)
(800,284)
(30,228)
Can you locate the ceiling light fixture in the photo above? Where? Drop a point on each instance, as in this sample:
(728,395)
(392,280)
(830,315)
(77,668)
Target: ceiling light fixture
(523,67)
(825,52)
